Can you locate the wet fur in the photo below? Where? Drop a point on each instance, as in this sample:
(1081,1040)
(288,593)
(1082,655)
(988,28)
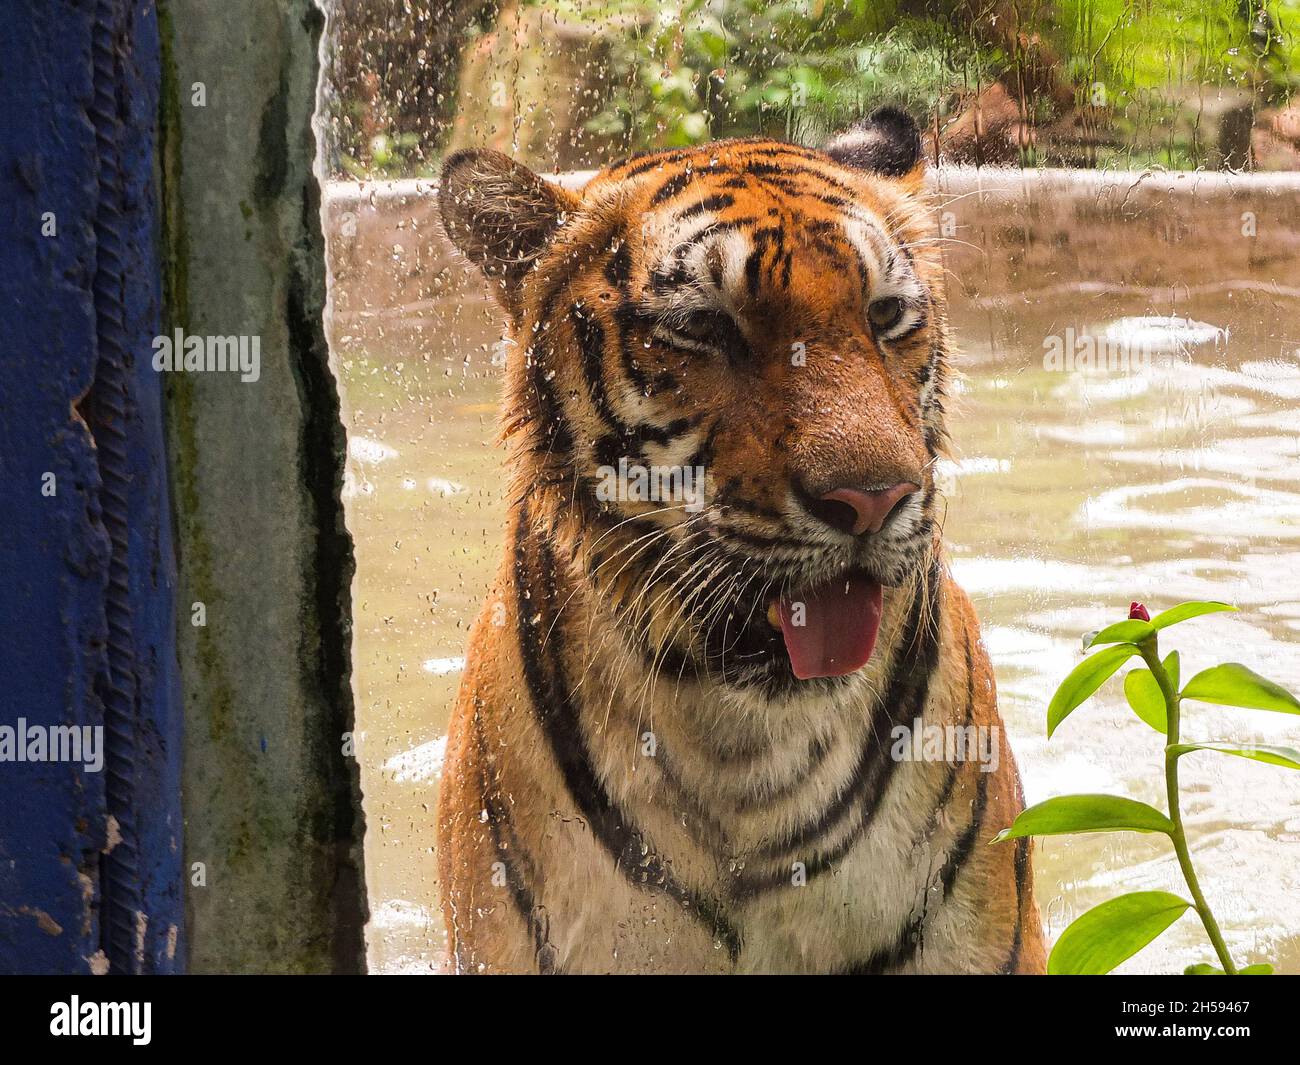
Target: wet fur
(635,781)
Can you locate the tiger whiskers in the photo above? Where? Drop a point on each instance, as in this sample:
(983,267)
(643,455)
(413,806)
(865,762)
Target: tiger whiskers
(651,538)
(648,685)
(634,614)
(640,613)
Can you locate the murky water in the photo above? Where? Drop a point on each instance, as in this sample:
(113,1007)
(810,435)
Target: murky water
(1070,494)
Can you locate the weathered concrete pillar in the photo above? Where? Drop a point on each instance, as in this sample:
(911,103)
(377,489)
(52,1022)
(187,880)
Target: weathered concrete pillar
(273,821)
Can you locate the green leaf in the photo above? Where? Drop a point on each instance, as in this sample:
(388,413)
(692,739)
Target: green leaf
(1113,932)
(1146,698)
(1086,813)
(1186,611)
(1206,969)
(1130,631)
(1144,694)
(1084,679)
(1286,757)
(1232,684)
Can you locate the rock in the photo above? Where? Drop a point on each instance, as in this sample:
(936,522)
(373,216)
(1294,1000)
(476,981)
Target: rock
(1271,152)
(988,131)
(1284,124)
(530,86)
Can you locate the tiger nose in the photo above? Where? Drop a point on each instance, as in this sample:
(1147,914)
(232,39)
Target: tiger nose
(858,510)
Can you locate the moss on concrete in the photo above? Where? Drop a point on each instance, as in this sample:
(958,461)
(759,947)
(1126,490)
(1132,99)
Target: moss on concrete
(272,806)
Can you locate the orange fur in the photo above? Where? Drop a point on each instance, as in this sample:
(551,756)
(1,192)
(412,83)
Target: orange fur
(614,799)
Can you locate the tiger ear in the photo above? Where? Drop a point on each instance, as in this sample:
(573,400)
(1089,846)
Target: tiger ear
(501,215)
(886,142)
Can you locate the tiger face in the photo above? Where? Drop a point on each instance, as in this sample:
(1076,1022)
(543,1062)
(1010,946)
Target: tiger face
(729,370)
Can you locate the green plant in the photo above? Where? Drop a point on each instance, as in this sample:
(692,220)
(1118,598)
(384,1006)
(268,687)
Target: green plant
(1110,933)
(698,70)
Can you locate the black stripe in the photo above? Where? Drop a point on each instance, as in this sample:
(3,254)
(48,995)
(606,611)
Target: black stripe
(618,272)
(825,227)
(768,149)
(904,698)
(618,269)
(537,593)
(756,796)
(753,271)
(625,441)
(512,857)
(717,202)
(624,318)
(950,781)
(779,181)
(1022,877)
(908,680)
(818,749)
(1022,886)
(881,962)
(669,659)
(555,440)
(926,372)
(712,228)
(727,497)
(591,345)
(745,148)
(650,160)
(629,443)
(698,820)
(703,456)
(910,940)
(762,239)
(839,202)
(672,187)
(788,172)
(663,435)
(667,276)
(965,845)
(758,540)
(544,414)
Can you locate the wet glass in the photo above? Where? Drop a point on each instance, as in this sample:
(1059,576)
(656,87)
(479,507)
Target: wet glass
(1071,489)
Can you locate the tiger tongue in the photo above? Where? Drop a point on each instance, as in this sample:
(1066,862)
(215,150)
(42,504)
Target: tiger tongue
(835,632)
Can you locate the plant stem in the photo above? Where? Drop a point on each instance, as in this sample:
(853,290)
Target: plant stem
(1151,656)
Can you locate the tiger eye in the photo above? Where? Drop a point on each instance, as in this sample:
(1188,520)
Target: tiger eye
(885,313)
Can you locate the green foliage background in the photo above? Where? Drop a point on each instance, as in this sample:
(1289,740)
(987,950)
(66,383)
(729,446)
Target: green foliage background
(693,70)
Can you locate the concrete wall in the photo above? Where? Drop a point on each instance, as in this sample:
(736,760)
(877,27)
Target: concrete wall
(1037,233)
(273,821)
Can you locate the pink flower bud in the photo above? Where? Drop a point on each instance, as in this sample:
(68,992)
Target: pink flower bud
(1137,612)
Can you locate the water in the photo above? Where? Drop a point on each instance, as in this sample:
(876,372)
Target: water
(1070,494)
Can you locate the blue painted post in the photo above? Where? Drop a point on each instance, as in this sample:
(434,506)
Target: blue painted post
(90,855)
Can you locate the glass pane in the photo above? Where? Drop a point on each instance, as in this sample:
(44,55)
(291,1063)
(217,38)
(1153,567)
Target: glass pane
(1112,190)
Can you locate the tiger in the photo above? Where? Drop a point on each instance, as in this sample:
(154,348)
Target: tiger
(680,743)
